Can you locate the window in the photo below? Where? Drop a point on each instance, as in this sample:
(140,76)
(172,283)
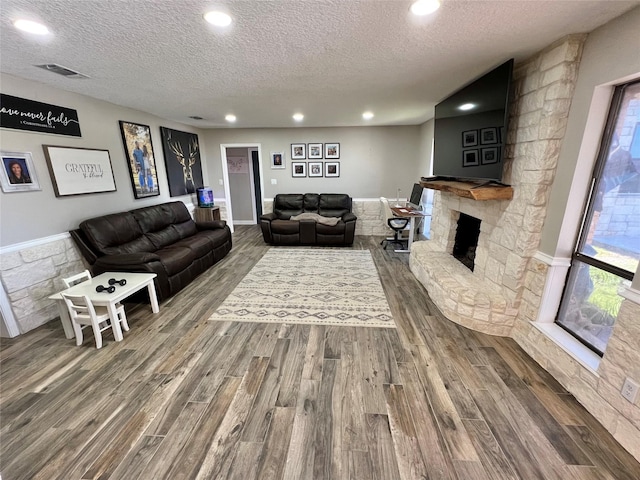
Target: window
(608,249)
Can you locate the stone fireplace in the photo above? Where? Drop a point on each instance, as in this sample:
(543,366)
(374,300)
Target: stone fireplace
(488,298)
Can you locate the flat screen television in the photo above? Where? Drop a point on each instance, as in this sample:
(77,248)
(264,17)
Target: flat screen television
(470,128)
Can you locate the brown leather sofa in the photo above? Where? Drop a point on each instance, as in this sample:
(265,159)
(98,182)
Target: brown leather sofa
(161,239)
(279,229)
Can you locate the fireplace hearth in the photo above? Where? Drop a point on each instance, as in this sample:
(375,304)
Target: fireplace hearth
(466,240)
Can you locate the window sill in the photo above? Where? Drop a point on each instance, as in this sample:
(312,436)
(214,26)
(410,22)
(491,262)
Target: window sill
(583,355)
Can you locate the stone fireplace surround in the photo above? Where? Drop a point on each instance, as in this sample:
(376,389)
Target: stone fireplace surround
(489,298)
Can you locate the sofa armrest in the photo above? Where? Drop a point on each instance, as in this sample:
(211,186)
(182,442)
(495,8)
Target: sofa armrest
(349,217)
(268,217)
(213,225)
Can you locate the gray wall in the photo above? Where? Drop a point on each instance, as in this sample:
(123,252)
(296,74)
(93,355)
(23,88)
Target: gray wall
(241,187)
(374,161)
(30,215)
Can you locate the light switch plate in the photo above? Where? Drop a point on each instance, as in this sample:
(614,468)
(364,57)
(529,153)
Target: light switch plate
(630,390)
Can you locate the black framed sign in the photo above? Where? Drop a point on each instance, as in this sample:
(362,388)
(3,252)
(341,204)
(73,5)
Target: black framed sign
(23,114)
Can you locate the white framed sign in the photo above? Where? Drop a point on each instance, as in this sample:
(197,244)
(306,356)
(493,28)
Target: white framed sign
(76,171)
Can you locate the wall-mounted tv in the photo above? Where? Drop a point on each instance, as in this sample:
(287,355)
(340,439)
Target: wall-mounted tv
(470,128)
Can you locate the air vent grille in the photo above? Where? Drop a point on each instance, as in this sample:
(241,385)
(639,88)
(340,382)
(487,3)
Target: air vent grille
(196,117)
(60,70)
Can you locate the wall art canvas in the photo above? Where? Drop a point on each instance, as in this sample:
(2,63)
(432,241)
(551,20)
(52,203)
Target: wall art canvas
(75,171)
(141,160)
(182,159)
(24,114)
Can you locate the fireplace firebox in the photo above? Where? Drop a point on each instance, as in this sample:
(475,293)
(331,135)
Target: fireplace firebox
(466,241)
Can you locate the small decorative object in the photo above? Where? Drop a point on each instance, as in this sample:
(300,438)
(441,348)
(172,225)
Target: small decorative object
(277,160)
(488,136)
(331,150)
(182,159)
(122,283)
(331,169)
(102,288)
(315,151)
(299,169)
(32,116)
(469,138)
(298,151)
(315,169)
(18,174)
(489,155)
(75,171)
(140,159)
(470,158)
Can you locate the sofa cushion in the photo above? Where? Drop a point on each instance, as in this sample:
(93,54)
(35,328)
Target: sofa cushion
(200,245)
(216,238)
(175,259)
(334,204)
(288,204)
(338,229)
(285,227)
(108,233)
(311,202)
(164,237)
(186,229)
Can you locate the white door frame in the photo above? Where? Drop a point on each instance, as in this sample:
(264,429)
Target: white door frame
(225,176)
(8,319)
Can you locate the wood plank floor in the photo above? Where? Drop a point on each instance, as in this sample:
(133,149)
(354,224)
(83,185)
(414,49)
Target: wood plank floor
(185,398)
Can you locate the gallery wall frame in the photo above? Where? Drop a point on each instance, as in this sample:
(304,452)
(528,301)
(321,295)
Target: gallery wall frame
(331,150)
(469,138)
(315,151)
(18,173)
(138,148)
(470,158)
(78,171)
(298,151)
(489,156)
(182,159)
(298,169)
(488,136)
(315,169)
(331,169)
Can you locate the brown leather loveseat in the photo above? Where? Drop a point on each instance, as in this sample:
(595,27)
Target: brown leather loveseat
(161,239)
(279,229)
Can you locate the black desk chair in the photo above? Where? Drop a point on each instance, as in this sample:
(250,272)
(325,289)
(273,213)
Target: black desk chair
(397,224)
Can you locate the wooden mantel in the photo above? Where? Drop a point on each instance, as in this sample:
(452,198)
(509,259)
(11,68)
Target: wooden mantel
(473,189)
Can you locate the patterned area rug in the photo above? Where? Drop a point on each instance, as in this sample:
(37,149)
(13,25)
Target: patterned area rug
(312,286)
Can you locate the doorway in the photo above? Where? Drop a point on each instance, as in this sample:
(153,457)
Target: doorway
(241,168)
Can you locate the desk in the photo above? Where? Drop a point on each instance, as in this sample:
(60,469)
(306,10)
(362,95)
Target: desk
(407,212)
(135,283)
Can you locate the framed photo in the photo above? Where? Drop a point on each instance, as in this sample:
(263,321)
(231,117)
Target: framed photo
(331,150)
(315,169)
(470,158)
(182,159)
(277,160)
(489,155)
(76,171)
(299,169)
(331,169)
(138,149)
(469,138)
(18,173)
(488,136)
(315,150)
(298,151)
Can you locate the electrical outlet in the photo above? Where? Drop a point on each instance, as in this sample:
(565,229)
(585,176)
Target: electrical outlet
(630,390)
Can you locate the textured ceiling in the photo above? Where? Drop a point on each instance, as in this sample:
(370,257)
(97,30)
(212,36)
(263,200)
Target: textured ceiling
(329,59)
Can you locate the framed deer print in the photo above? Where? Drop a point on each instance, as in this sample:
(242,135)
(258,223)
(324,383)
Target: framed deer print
(182,159)
(140,159)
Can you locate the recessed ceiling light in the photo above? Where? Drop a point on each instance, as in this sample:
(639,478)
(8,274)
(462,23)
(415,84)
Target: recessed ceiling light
(467,106)
(219,19)
(230,118)
(298,117)
(425,7)
(367,115)
(31,27)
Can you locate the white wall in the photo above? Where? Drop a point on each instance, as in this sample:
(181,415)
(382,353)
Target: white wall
(30,215)
(374,161)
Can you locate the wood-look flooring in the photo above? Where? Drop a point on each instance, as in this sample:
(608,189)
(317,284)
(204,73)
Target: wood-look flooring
(185,398)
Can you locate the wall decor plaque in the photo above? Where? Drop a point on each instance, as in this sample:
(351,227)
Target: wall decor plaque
(23,114)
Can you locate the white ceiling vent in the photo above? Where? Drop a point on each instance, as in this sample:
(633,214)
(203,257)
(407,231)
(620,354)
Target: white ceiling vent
(64,71)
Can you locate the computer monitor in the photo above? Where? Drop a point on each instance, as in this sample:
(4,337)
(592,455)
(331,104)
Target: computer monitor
(416,196)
